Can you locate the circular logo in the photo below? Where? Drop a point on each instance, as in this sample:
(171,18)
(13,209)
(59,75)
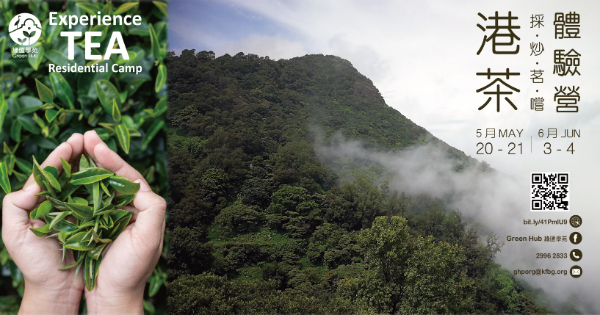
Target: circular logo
(576,271)
(575,221)
(25,29)
(576,255)
(575,238)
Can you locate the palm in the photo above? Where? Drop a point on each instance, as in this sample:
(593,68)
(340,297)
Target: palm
(39,258)
(122,262)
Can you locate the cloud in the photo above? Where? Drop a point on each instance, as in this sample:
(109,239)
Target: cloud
(492,200)
(422,56)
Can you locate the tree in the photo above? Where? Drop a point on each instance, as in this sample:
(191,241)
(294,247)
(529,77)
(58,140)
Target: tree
(409,275)
(239,218)
(294,210)
(295,164)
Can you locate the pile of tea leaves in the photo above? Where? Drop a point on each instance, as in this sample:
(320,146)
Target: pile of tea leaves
(81,211)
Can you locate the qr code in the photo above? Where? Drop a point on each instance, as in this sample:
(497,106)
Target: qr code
(550,191)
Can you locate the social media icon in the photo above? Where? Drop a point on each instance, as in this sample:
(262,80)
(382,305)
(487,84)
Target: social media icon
(575,238)
(576,255)
(575,221)
(576,271)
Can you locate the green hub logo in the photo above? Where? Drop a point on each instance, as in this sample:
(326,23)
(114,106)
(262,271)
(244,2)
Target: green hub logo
(25,29)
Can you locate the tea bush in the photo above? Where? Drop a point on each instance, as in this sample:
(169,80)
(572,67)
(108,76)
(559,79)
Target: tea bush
(39,110)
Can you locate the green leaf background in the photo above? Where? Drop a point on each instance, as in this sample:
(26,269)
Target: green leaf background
(39,110)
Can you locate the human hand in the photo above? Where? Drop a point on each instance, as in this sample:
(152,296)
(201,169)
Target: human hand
(47,289)
(128,262)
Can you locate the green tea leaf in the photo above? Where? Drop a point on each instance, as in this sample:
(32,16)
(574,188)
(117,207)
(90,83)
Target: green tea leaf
(90,175)
(83,246)
(52,180)
(161,77)
(124,137)
(68,266)
(81,210)
(66,167)
(9,160)
(45,143)
(90,8)
(68,190)
(38,121)
(123,200)
(2,42)
(155,43)
(3,110)
(116,112)
(90,271)
(160,107)
(4,180)
(92,163)
(6,149)
(51,114)
(53,170)
(119,214)
(123,185)
(38,175)
(126,7)
(29,104)
(95,253)
(62,236)
(80,201)
(161,6)
(63,89)
(64,225)
(107,93)
(133,85)
(44,92)
(155,282)
(21,178)
(120,225)
(36,59)
(41,231)
(51,32)
(106,210)
(29,124)
(41,211)
(24,165)
(104,188)
(151,132)
(83,163)
(57,203)
(58,218)
(102,133)
(96,194)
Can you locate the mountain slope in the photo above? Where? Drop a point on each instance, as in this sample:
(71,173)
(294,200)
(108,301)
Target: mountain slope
(260,225)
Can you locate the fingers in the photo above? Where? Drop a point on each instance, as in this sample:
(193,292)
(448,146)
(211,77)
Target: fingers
(74,147)
(64,151)
(76,142)
(107,158)
(133,210)
(150,220)
(16,205)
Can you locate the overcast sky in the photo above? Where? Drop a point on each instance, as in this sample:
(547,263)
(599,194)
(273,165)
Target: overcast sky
(422,56)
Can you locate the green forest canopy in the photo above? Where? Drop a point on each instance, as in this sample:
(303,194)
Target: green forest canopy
(259,225)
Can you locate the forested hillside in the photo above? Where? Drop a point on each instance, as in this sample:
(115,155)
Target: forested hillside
(258,224)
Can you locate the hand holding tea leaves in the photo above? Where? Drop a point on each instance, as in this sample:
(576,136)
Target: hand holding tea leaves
(47,289)
(117,267)
(128,261)
(89,195)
